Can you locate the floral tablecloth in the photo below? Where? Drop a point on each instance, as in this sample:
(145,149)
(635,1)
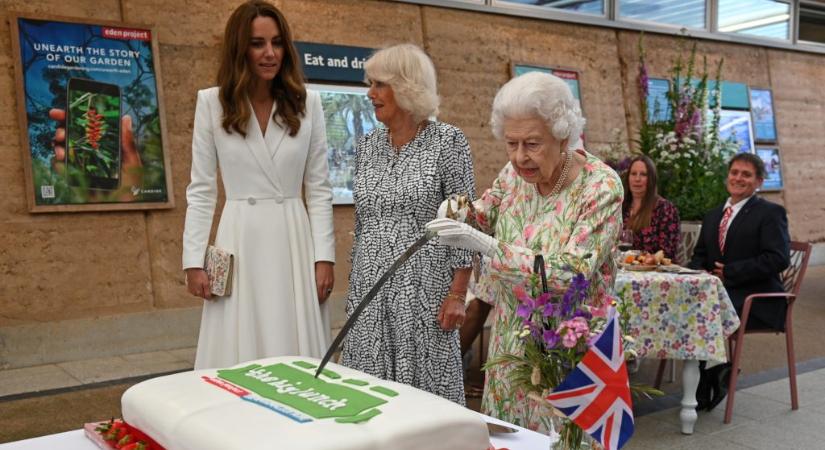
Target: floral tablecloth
(678,316)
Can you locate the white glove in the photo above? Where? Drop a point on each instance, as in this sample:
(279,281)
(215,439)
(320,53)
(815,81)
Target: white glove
(461,213)
(461,235)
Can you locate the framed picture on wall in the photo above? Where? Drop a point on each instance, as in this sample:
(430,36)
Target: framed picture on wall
(91,111)
(773,168)
(764,125)
(736,125)
(349,115)
(570,76)
(658,106)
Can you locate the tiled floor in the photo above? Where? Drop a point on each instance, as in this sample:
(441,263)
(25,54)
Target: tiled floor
(76,373)
(762,419)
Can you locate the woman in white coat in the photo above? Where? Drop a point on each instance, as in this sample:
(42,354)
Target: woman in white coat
(265,132)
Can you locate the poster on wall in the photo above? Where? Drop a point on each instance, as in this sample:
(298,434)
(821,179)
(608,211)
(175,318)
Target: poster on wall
(658,106)
(91,114)
(570,76)
(336,72)
(773,168)
(736,125)
(349,115)
(764,126)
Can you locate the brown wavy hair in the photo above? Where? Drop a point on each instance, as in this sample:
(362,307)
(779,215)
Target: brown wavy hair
(642,218)
(235,76)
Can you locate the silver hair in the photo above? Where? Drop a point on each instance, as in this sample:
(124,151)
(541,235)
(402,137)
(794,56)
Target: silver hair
(411,75)
(543,95)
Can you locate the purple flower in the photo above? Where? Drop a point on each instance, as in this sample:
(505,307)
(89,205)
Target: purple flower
(582,313)
(549,310)
(524,310)
(580,283)
(551,338)
(643,79)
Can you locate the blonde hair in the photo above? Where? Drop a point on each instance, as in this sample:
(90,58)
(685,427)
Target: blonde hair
(411,75)
(543,95)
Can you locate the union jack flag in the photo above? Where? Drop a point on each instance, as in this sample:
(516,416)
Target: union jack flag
(596,394)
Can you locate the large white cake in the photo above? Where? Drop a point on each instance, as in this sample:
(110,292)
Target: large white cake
(277,403)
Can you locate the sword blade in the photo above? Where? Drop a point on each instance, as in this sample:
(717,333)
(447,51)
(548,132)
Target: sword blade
(371,295)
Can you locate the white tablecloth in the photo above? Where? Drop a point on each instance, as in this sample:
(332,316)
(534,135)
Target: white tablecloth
(76,440)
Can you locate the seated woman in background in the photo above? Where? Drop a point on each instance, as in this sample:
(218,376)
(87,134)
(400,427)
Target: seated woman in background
(654,220)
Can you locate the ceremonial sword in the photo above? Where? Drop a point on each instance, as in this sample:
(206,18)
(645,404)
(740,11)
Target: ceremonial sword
(372,294)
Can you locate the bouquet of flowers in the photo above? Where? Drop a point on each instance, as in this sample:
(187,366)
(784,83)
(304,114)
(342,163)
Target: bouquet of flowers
(557,329)
(684,144)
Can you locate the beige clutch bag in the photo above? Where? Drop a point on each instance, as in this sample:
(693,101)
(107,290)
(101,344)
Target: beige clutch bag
(218,267)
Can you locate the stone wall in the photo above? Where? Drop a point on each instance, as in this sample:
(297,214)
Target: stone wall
(71,279)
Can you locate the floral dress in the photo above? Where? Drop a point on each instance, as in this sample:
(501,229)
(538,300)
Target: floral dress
(575,229)
(663,231)
(398,337)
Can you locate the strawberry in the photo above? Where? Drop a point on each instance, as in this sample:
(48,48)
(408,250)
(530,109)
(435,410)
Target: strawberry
(104,427)
(122,432)
(126,439)
(139,445)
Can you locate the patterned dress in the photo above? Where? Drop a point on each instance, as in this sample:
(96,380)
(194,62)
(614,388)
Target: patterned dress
(398,337)
(663,231)
(583,219)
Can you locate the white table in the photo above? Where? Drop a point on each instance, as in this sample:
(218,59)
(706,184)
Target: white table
(75,440)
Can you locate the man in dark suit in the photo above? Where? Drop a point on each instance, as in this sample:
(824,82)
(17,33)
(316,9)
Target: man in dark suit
(745,243)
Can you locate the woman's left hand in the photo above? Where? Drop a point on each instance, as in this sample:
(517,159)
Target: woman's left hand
(324,279)
(451,314)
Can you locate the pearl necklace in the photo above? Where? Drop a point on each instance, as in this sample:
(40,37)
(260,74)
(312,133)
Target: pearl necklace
(563,175)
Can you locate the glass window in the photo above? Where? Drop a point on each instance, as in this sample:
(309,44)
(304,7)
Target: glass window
(580,6)
(811,23)
(765,18)
(686,13)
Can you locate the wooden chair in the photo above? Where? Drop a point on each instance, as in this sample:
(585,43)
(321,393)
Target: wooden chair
(792,280)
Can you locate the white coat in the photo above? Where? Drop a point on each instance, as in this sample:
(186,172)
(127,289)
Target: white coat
(273,309)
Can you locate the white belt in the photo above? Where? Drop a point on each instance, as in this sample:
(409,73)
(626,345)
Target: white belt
(277,198)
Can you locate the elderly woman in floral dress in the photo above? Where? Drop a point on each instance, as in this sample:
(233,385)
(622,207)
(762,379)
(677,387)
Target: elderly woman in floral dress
(551,199)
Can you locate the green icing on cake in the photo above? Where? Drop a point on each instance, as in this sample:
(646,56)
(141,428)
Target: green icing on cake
(304,364)
(385,391)
(300,390)
(330,374)
(355,382)
(361,418)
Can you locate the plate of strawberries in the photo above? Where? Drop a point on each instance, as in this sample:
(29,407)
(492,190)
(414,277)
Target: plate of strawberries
(117,434)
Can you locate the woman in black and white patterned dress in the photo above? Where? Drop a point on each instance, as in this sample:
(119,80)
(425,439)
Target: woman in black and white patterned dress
(409,332)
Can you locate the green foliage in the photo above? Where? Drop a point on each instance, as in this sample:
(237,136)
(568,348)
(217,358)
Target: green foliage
(690,159)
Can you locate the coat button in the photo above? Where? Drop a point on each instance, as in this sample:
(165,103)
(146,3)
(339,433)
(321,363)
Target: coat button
(251,200)
(279,198)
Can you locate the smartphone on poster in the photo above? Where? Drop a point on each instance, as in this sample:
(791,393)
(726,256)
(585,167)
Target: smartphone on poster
(93,154)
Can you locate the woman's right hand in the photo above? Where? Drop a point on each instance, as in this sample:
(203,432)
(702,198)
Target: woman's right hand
(197,283)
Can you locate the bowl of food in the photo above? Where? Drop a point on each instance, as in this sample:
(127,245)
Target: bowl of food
(644,261)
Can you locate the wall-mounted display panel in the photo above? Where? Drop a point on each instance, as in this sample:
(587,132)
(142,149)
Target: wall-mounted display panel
(91,109)
(773,168)
(349,115)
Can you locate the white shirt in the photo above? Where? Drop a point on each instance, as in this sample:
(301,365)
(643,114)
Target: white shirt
(735,210)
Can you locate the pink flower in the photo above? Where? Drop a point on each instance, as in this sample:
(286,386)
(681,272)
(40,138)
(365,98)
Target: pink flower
(520,292)
(572,330)
(569,339)
(529,232)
